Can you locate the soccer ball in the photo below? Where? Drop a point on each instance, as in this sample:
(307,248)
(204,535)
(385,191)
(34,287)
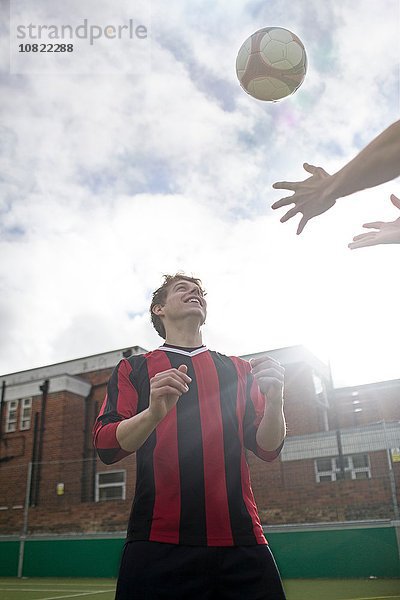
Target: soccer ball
(271,64)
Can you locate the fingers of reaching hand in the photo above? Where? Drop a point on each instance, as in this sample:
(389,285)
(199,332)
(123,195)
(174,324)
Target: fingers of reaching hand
(315,170)
(395,200)
(294,185)
(283,202)
(365,236)
(302,224)
(364,239)
(374,225)
(290,213)
(286,185)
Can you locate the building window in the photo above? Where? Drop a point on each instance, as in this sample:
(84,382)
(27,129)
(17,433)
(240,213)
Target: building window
(110,485)
(320,391)
(356,466)
(11,421)
(25,416)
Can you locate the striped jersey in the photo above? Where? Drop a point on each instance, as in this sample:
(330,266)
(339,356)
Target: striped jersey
(192,483)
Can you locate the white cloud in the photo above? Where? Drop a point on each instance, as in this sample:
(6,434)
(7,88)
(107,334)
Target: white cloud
(111,181)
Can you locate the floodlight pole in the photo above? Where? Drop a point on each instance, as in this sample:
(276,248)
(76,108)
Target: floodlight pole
(391,475)
(338,433)
(3,394)
(25,523)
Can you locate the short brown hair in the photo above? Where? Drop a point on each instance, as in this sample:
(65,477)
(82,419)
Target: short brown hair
(160,296)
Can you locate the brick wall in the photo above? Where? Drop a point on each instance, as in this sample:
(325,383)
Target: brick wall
(300,406)
(376,402)
(285,491)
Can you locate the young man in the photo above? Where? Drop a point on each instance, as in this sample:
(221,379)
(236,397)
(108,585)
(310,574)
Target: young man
(190,413)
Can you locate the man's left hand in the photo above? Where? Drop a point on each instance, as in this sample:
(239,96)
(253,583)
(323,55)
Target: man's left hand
(269,375)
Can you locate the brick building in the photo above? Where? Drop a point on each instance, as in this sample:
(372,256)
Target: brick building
(339,462)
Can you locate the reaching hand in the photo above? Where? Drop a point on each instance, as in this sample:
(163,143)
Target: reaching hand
(388,233)
(310,196)
(165,390)
(269,375)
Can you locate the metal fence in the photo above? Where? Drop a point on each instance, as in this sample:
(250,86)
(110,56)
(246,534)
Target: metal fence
(349,474)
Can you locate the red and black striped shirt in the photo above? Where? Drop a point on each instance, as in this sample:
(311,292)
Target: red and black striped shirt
(193,484)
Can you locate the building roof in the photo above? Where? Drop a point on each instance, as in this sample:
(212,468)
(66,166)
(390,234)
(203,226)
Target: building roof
(27,383)
(296,354)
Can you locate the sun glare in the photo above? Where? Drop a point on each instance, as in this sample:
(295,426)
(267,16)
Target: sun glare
(355,362)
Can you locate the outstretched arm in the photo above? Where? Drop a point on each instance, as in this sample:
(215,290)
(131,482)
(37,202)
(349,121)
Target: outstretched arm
(375,164)
(387,233)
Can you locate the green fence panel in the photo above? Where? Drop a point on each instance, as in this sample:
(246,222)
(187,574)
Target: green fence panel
(340,553)
(345,553)
(72,558)
(9,552)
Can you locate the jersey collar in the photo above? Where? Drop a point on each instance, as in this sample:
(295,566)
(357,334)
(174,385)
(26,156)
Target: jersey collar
(184,352)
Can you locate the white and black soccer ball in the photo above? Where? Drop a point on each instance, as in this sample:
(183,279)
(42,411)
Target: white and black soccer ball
(271,64)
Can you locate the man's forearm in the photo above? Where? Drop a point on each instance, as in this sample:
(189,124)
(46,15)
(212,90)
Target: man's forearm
(375,164)
(272,429)
(132,433)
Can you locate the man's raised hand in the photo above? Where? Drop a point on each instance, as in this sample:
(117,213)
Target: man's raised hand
(166,388)
(269,375)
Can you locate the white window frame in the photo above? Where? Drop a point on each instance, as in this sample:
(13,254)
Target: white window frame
(12,416)
(25,422)
(121,484)
(350,468)
(321,395)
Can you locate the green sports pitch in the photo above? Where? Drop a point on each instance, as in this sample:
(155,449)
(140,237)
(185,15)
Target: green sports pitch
(103,589)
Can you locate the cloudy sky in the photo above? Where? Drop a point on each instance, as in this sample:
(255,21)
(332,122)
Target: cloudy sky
(129,161)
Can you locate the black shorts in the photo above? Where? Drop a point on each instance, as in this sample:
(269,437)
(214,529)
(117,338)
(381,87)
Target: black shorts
(156,571)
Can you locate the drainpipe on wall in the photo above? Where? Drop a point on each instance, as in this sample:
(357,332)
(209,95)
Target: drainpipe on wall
(84,476)
(333,405)
(44,388)
(3,393)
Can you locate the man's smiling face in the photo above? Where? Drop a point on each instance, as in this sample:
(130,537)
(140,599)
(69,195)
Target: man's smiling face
(179,297)
(185,298)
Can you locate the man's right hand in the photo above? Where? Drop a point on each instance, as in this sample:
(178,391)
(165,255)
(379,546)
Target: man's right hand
(165,390)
